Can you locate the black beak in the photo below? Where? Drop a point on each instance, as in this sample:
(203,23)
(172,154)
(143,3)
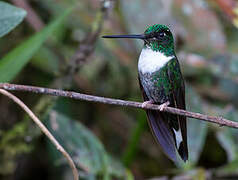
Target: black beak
(131,36)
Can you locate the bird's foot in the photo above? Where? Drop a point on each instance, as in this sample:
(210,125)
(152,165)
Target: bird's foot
(144,104)
(162,106)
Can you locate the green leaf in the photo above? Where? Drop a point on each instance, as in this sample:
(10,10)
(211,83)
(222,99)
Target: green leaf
(13,62)
(83,146)
(10,17)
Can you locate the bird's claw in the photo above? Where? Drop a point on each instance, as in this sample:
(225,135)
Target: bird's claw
(162,106)
(144,104)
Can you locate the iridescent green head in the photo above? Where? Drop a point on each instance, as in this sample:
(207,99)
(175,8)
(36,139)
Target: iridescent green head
(157,37)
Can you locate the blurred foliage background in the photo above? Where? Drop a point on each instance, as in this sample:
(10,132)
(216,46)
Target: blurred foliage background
(60,47)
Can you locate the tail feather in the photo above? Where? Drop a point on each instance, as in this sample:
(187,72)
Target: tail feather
(162,132)
(183,148)
(177,125)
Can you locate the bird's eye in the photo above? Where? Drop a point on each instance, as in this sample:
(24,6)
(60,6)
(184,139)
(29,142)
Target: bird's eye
(161,34)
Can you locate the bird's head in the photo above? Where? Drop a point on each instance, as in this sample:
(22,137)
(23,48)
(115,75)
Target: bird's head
(157,37)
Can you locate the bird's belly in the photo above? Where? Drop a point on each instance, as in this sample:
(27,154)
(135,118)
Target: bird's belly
(154,87)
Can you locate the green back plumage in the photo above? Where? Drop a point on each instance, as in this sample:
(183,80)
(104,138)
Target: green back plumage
(162,78)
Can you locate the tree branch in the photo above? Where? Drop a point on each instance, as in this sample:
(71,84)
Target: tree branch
(46,132)
(74,95)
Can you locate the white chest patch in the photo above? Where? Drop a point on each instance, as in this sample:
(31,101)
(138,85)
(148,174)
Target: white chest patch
(151,61)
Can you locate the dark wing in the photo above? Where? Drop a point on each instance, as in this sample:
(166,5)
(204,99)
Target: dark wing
(177,100)
(159,126)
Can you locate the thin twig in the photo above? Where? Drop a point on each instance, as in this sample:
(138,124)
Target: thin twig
(46,132)
(74,95)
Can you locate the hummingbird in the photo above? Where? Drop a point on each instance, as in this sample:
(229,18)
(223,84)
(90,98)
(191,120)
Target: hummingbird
(162,83)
